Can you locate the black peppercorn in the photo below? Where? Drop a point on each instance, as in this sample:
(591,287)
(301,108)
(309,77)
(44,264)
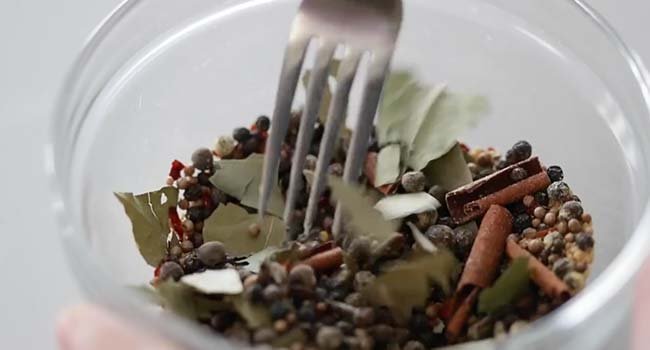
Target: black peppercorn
(463,241)
(263,123)
(197,214)
(191,263)
(521,222)
(307,312)
(518,174)
(541,198)
(241,134)
(584,241)
(441,235)
(555,173)
(204,179)
(279,309)
(521,150)
(193,193)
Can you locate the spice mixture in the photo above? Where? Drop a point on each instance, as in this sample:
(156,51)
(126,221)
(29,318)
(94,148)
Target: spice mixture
(464,246)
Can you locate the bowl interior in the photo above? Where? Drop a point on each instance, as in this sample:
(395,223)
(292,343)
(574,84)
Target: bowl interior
(217,71)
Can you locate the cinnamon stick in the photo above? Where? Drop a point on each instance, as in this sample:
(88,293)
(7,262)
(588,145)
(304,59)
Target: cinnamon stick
(326,261)
(472,200)
(370,168)
(550,284)
(483,262)
(460,317)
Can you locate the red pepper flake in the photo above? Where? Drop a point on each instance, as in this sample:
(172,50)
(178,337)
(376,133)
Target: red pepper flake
(156,272)
(176,224)
(176,169)
(464,148)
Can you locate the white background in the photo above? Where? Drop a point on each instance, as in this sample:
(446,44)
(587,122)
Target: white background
(38,41)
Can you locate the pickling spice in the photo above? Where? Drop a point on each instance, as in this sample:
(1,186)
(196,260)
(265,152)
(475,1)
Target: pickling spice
(442,243)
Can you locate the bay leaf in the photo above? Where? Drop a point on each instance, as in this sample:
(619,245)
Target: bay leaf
(225,281)
(422,240)
(388,165)
(254,262)
(230,225)
(508,288)
(449,171)
(256,316)
(446,120)
(295,335)
(241,179)
(360,215)
(407,283)
(402,205)
(149,215)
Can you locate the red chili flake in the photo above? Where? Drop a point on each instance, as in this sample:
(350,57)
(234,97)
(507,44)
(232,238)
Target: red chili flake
(156,272)
(176,224)
(464,148)
(176,169)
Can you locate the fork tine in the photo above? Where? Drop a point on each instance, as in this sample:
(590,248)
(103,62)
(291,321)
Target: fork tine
(335,119)
(358,149)
(315,90)
(294,57)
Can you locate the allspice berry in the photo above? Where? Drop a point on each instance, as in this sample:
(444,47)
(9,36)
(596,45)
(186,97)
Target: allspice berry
(414,181)
(329,338)
(202,159)
(171,269)
(212,254)
(302,275)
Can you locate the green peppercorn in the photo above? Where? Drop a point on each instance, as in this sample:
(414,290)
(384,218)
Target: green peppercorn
(559,192)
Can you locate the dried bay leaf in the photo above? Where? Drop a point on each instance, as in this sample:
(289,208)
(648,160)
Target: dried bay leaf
(254,262)
(241,179)
(449,171)
(508,288)
(446,120)
(225,281)
(185,302)
(256,316)
(296,335)
(231,223)
(388,168)
(407,283)
(361,217)
(149,215)
(402,205)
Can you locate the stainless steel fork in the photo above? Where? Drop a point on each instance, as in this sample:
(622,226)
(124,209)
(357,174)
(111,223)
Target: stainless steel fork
(362,27)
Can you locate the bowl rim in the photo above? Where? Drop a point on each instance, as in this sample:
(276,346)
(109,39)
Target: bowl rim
(615,277)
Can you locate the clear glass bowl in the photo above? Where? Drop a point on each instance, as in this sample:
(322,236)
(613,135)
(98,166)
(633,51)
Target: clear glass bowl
(160,78)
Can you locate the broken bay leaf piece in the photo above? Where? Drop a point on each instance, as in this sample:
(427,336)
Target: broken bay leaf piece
(241,179)
(254,262)
(508,288)
(149,215)
(402,205)
(360,215)
(449,171)
(407,283)
(231,225)
(388,165)
(225,281)
(449,117)
(422,240)
(256,316)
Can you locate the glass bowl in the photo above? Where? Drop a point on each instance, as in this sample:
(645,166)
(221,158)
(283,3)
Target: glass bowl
(160,78)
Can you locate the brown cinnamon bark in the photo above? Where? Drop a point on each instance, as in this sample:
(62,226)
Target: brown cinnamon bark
(460,317)
(370,168)
(326,261)
(483,262)
(472,200)
(547,281)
